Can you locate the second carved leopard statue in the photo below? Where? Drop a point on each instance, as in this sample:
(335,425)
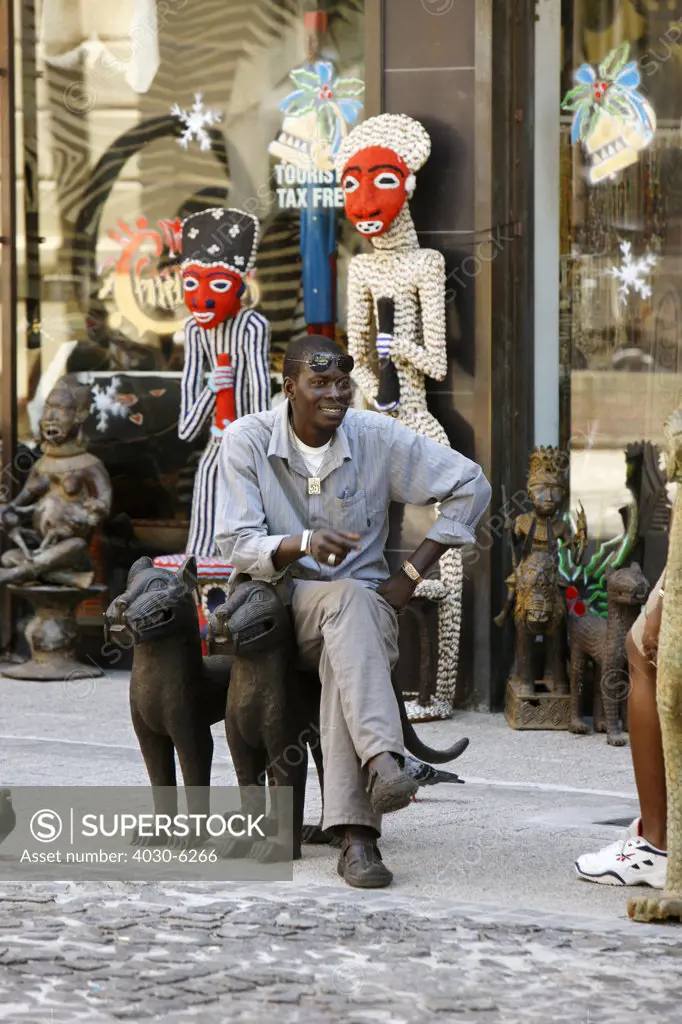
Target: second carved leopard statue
(273,710)
(602,641)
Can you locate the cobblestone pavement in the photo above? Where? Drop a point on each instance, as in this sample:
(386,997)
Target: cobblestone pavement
(286,954)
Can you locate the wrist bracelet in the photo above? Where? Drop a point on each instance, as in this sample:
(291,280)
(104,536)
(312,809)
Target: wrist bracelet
(309,546)
(305,540)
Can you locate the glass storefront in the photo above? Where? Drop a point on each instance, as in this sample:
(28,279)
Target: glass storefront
(621,240)
(130,117)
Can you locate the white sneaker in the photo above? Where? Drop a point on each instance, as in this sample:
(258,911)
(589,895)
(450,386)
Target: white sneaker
(629,861)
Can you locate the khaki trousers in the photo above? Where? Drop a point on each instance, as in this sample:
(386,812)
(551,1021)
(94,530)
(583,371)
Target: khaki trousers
(349,634)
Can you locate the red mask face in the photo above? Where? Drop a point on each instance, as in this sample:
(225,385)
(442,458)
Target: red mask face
(211,293)
(374,186)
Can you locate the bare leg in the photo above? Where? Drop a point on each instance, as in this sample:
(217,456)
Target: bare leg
(647,746)
(18,538)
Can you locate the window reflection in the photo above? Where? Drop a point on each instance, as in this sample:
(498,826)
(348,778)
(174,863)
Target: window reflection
(143,113)
(620,256)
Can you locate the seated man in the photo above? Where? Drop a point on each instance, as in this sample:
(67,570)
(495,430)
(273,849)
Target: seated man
(640,858)
(304,494)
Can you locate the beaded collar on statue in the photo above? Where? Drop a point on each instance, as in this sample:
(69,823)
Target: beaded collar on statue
(220,263)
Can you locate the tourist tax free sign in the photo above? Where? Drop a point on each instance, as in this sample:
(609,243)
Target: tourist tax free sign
(299,189)
(317,114)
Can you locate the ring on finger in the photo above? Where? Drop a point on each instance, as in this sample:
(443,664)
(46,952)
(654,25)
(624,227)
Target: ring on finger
(331,559)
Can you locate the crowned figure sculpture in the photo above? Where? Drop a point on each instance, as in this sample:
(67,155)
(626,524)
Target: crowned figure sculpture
(226,372)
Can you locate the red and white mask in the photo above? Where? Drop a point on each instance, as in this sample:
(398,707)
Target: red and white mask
(211,293)
(376,182)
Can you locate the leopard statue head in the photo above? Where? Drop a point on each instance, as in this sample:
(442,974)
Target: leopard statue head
(628,586)
(157,603)
(253,620)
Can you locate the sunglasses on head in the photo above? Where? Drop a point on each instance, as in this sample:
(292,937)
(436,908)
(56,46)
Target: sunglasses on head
(323,361)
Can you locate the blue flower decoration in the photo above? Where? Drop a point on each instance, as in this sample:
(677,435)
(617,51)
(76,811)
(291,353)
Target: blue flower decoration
(333,99)
(612,89)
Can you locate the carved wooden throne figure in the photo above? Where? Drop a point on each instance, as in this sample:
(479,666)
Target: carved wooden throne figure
(50,525)
(226,372)
(667,905)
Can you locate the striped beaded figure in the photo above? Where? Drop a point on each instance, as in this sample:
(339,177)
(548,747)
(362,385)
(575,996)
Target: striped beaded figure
(404,285)
(218,249)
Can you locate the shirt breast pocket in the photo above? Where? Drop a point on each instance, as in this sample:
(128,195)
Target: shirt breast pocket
(350,513)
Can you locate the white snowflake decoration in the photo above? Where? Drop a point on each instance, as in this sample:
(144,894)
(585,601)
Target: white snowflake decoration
(633,273)
(105,403)
(196,121)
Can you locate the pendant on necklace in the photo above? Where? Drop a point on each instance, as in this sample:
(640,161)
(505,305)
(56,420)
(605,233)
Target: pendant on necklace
(314,485)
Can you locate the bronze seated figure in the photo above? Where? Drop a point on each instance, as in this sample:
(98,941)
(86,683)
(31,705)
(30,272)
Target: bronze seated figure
(67,494)
(50,525)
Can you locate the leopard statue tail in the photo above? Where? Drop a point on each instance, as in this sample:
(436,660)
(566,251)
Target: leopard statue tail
(419,749)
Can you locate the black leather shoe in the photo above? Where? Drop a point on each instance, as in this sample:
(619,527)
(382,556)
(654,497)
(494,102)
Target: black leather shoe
(361,866)
(389,787)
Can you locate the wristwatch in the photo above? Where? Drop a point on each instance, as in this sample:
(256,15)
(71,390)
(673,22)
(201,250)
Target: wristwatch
(410,570)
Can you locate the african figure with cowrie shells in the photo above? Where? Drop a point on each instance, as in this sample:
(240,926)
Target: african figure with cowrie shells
(403,286)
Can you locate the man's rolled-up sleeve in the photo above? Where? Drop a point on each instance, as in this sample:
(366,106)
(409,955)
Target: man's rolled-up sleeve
(240,529)
(423,471)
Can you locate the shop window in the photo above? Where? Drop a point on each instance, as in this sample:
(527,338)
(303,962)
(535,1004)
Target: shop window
(621,240)
(131,116)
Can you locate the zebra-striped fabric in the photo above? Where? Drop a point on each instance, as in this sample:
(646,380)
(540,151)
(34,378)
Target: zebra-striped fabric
(246,339)
(202,524)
